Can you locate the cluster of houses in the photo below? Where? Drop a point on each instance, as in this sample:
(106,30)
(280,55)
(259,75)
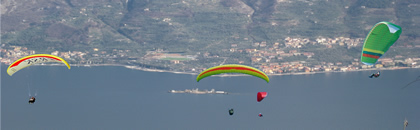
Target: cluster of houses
(263,58)
(328,42)
(303,66)
(267,59)
(341,41)
(10,55)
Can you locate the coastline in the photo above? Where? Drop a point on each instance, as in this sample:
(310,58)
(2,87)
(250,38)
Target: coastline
(221,75)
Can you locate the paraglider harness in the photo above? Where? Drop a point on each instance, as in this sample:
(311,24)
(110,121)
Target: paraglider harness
(376,75)
(230,111)
(31,100)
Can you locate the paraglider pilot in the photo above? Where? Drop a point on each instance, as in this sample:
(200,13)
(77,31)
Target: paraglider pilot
(231,111)
(260,115)
(31,100)
(376,75)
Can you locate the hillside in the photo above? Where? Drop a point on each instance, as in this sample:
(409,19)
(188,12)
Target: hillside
(206,30)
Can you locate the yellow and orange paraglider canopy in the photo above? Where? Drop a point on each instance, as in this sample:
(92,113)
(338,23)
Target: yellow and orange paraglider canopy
(233,68)
(33,59)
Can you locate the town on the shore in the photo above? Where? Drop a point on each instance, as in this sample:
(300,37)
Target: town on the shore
(264,56)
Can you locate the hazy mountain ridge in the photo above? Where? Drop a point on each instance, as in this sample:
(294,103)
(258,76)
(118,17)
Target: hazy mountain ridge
(193,26)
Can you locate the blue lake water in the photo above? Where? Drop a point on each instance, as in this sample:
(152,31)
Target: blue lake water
(121,98)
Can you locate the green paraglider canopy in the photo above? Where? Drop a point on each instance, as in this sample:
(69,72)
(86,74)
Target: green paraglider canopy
(377,42)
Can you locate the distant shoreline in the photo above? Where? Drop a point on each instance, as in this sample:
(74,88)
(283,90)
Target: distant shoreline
(231,75)
(221,75)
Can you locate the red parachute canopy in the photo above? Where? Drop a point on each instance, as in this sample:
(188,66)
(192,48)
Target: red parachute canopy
(261,96)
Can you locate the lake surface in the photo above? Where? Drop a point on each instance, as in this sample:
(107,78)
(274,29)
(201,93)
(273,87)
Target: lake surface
(121,98)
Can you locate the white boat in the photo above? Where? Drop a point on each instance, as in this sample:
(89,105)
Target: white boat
(196,91)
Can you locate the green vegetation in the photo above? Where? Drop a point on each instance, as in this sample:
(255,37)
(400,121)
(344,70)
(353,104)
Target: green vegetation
(190,27)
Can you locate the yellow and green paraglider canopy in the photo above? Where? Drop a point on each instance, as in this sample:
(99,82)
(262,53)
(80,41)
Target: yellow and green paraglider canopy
(233,68)
(377,42)
(33,59)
